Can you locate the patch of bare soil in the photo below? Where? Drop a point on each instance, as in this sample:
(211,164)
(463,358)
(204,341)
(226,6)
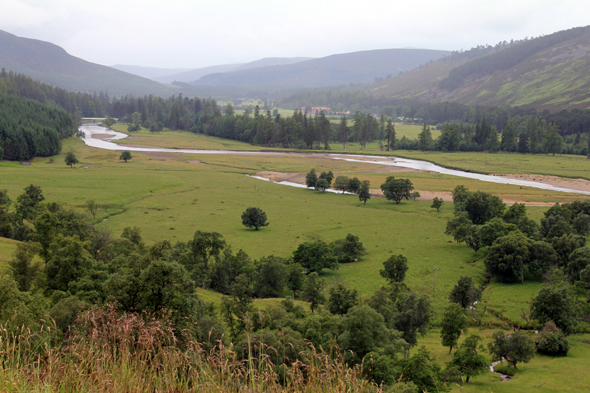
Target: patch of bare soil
(283,176)
(430,195)
(194,162)
(574,184)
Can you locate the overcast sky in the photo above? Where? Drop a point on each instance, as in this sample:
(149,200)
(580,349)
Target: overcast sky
(199,33)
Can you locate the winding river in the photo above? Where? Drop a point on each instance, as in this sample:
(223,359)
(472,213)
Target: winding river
(91,129)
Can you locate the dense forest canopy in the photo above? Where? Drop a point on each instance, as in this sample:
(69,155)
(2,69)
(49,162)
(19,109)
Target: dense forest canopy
(29,129)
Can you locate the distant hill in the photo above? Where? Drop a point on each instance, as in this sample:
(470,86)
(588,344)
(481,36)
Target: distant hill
(193,75)
(149,72)
(356,67)
(272,61)
(196,74)
(549,72)
(51,64)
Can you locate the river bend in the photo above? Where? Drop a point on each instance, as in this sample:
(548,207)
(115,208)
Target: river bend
(91,129)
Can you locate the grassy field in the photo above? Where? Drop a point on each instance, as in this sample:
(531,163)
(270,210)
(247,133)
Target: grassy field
(506,163)
(172,199)
(170,196)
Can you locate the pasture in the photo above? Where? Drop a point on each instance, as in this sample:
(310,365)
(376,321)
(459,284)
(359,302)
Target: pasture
(171,195)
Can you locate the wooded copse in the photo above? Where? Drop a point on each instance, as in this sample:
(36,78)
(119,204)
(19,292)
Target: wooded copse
(519,249)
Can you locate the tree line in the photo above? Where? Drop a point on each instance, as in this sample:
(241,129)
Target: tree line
(464,128)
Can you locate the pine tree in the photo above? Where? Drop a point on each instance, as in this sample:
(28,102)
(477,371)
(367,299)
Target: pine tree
(343,131)
(493,144)
(534,139)
(523,142)
(508,138)
(390,132)
(425,138)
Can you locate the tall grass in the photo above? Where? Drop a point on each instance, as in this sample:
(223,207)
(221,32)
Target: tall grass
(114,352)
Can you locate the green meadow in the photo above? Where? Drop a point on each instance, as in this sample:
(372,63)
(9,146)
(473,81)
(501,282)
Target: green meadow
(171,195)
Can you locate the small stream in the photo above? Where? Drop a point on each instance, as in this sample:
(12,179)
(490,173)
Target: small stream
(90,129)
(505,377)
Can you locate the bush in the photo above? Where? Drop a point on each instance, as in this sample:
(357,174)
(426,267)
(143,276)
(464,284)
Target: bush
(552,341)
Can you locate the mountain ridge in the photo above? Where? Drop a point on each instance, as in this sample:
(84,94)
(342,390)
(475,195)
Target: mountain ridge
(51,64)
(552,72)
(333,70)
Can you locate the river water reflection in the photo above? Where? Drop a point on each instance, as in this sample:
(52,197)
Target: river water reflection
(92,129)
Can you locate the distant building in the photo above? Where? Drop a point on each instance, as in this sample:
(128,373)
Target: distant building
(315,110)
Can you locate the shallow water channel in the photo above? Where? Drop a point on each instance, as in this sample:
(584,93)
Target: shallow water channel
(92,129)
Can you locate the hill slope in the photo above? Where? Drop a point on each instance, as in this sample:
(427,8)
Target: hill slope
(196,74)
(356,67)
(550,72)
(51,64)
(149,72)
(193,75)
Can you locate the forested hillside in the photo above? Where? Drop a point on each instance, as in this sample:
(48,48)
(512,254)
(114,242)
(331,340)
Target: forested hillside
(30,129)
(547,72)
(76,104)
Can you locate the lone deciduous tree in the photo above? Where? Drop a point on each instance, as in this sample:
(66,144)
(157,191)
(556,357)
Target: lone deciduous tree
(454,322)
(341,183)
(254,217)
(125,156)
(71,159)
(397,189)
(468,359)
(364,194)
(515,347)
(92,207)
(437,203)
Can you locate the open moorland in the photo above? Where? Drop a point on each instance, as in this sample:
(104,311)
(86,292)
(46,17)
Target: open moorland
(171,195)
